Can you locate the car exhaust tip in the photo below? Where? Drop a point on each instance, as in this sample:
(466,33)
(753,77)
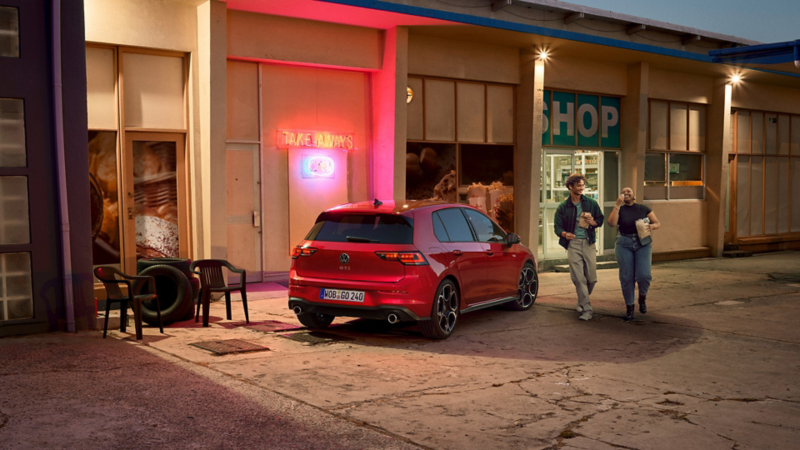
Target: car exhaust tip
(297,310)
(393,319)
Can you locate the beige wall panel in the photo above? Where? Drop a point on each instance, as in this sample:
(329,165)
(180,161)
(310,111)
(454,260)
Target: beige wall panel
(101,80)
(795,141)
(143,23)
(659,117)
(757,132)
(771,195)
(302,98)
(587,75)
(783,196)
(242,101)
(742,132)
(240,180)
(343,106)
(287,39)
(784,129)
(681,87)
(697,128)
(500,114)
(440,110)
(414,109)
(153,91)
(766,98)
(678,120)
(771,134)
(464,60)
(242,244)
(471,112)
(683,225)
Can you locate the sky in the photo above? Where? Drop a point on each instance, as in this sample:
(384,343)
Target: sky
(767,21)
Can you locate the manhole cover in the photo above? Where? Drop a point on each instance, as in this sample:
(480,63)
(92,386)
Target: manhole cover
(316,337)
(228,346)
(273,325)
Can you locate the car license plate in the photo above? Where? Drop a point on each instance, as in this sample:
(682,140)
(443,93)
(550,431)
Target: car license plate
(343,295)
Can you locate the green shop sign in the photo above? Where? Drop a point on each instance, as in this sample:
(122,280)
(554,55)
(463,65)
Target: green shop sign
(595,117)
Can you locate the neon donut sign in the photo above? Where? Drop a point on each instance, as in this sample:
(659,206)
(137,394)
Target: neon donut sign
(320,166)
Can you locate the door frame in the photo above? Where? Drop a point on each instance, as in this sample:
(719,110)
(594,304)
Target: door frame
(128,210)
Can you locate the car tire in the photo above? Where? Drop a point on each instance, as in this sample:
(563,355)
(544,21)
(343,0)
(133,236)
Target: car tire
(444,312)
(313,320)
(527,289)
(174,295)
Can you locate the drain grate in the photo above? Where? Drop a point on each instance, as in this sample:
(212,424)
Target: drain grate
(316,337)
(269,326)
(229,346)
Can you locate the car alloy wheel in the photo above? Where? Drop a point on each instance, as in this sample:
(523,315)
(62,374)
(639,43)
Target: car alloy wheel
(444,313)
(527,289)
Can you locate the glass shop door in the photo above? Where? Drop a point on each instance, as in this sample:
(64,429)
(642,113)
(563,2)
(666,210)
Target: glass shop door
(558,166)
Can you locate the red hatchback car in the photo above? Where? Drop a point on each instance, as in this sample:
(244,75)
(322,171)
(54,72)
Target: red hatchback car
(418,261)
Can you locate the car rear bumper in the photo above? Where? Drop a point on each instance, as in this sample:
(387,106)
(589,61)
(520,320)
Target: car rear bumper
(381,312)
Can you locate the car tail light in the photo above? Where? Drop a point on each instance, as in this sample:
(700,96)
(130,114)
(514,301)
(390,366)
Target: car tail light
(407,258)
(302,251)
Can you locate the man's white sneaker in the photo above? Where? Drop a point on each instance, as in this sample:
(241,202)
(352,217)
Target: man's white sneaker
(586,316)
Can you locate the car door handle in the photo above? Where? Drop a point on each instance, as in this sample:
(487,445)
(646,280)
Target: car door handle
(457,252)
(489,252)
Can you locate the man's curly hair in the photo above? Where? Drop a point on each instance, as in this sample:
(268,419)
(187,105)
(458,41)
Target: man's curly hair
(574,178)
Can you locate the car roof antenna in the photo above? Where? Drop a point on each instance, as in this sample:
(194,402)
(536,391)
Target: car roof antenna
(377,203)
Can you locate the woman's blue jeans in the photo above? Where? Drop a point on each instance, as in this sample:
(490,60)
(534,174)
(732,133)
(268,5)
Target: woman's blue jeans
(634,261)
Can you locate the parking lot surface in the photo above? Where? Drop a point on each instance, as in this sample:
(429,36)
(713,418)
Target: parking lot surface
(715,363)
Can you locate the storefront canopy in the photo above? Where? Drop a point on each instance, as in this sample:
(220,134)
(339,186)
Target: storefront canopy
(782,57)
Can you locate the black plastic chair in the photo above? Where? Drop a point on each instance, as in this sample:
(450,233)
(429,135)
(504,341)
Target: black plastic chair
(212,279)
(109,276)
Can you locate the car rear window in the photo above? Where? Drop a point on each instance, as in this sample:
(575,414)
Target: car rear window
(363,228)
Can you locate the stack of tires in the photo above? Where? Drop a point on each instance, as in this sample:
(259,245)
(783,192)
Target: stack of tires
(176,288)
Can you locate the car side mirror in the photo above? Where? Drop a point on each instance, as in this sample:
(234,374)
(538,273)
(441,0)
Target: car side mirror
(513,238)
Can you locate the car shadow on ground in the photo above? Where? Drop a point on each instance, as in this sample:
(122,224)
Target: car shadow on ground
(544,333)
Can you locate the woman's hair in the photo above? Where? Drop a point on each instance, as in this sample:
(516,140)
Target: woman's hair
(574,178)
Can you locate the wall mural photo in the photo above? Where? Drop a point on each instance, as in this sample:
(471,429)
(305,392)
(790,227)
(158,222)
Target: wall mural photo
(104,198)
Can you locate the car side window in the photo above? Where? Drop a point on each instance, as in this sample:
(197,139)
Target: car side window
(438,228)
(485,229)
(455,225)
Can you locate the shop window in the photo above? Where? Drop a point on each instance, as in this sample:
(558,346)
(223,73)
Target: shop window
(101,76)
(678,129)
(153,91)
(12,133)
(104,199)
(673,176)
(765,169)
(428,165)
(14,223)
(9,32)
(16,301)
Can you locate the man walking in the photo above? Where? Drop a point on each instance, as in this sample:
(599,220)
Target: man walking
(575,221)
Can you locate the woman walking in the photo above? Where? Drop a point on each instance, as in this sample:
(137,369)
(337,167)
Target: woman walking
(634,253)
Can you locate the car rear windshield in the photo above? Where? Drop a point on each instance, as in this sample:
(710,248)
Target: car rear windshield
(363,228)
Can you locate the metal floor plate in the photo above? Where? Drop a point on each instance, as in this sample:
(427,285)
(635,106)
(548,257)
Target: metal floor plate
(316,337)
(269,326)
(228,346)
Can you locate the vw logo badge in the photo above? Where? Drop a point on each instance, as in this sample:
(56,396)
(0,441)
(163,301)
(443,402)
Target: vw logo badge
(344,258)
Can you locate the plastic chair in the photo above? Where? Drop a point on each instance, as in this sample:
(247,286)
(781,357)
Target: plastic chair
(108,275)
(212,280)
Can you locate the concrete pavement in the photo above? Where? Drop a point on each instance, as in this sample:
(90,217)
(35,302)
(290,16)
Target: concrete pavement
(713,364)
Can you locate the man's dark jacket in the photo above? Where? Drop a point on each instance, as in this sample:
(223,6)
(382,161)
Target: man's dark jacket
(566,216)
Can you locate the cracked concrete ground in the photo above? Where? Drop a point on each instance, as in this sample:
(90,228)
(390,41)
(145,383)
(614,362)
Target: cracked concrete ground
(715,363)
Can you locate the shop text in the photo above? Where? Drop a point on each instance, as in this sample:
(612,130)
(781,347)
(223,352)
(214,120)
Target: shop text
(314,139)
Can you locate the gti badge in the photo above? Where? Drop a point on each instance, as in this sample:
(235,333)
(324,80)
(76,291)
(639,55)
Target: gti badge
(344,258)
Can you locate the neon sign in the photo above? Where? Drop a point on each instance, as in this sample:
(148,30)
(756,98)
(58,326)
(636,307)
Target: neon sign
(318,167)
(315,139)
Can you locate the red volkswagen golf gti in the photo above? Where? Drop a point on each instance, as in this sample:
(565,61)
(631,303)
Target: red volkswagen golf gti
(418,261)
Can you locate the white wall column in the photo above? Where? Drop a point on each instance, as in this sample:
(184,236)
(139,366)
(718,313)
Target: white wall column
(634,128)
(528,157)
(212,68)
(719,146)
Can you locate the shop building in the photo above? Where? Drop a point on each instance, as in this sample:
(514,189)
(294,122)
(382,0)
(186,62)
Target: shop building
(222,129)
